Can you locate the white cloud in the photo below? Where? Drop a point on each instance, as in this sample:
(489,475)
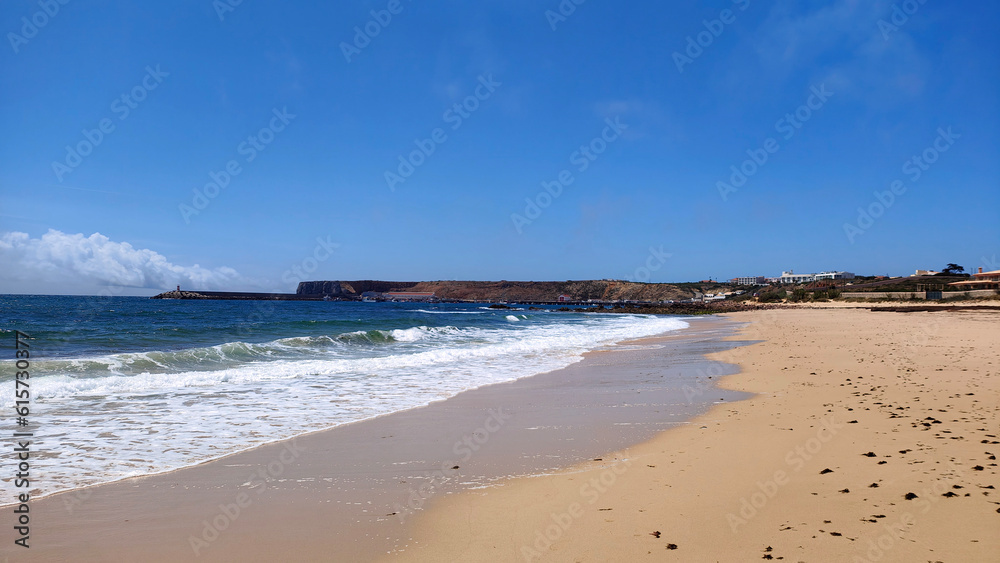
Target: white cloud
(842,45)
(75,260)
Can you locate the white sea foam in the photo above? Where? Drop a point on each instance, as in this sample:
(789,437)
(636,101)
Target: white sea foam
(107,422)
(420,332)
(451,312)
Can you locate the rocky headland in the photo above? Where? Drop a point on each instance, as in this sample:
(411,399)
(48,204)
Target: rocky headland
(514,291)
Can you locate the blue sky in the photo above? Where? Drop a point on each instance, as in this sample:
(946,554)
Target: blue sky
(334,111)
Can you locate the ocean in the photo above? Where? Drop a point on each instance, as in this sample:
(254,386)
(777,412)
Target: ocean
(128,386)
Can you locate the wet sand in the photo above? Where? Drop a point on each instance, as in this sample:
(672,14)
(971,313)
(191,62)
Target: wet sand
(872,436)
(351,493)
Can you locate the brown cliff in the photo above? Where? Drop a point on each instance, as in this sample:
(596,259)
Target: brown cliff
(601,290)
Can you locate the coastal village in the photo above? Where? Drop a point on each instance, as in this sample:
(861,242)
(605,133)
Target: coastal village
(950,283)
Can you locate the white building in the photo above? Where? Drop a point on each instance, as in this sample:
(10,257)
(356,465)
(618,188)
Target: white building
(791,277)
(835,276)
(752,280)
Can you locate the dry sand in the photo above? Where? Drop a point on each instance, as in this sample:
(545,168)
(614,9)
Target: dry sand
(856,412)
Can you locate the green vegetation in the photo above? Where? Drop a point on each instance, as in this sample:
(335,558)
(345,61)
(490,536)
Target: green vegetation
(911,284)
(952,270)
(824,295)
(798,295)
(771,295)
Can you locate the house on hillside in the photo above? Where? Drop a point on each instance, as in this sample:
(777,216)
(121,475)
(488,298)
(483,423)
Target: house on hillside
(835,276)
(980,280)
(750,280)
(564,297)
(791,277)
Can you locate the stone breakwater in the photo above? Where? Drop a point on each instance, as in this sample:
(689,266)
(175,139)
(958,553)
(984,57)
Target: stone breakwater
(235,295)
(179,295)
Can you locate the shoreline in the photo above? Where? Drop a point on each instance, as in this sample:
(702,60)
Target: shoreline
(344,475)
(864,441)
(4,503)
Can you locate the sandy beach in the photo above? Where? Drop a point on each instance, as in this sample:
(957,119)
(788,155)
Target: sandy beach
(872,437)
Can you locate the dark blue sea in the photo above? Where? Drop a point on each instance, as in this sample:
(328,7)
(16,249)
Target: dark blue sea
(125,386)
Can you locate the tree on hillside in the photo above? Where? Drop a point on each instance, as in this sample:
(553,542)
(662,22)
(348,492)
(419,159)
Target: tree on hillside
(952,270)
